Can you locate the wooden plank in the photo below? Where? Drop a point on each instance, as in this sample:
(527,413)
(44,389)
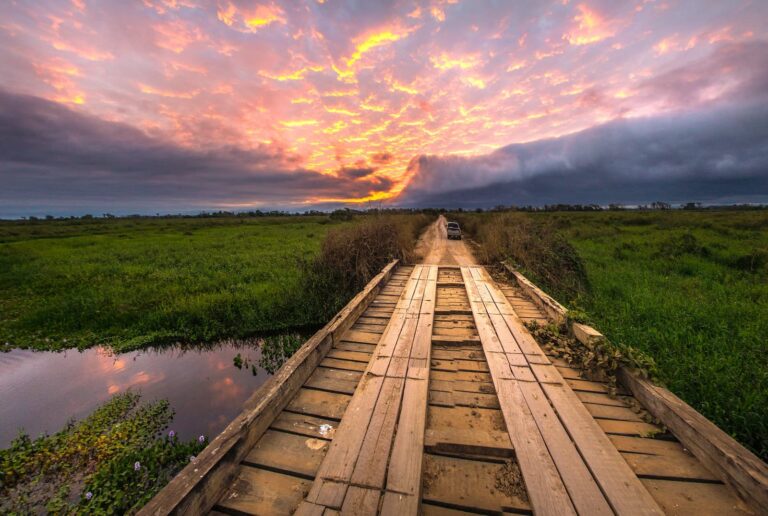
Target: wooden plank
(355,346)
(290,453)
(361,336)
(671,466)
(361,501)
(685,498)
(405,467)
(324,404)
(638,428)
(644,445)
(471,484)
(359,452)
(200,484)
(334,380)
(301,424)
(582,488)
(371,465)
(599,399)
(609,412)
(621,487)
(719,452)
(353,356)
(348,365)
(259,491)
(617,481)
(545,487)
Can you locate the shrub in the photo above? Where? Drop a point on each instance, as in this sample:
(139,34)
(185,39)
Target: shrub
(534,246)
(353,254)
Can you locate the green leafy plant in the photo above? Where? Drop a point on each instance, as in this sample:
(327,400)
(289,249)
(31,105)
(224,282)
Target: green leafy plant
(97,458)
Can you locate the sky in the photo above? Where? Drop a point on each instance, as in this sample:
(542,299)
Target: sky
(181,105)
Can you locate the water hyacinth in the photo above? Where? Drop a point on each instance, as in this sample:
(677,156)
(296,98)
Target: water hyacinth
(137,466)
(171,434)
(192,458)
(88,495)
(201,439)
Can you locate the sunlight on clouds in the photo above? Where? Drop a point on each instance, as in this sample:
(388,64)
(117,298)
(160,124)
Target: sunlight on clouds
(329,85)
(299,123)
(249,20)
(591,27)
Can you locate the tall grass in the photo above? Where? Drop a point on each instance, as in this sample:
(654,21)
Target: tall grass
(351,255)
(534,246)
(131,283)
(690,289)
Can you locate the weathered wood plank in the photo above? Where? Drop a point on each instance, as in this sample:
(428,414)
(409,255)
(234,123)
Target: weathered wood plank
(719,452)
(291,453)
(545,487)
(359,453)
(617,481)
(330,405)
(199,485)
(734,464)
(405,466)
(471,484)
(685,498)
(258,491)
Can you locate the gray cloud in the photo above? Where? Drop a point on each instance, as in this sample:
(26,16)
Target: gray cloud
(55,160)
(713,150)
(720,155)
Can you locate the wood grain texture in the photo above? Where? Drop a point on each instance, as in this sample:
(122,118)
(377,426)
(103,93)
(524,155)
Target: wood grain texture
(198,486)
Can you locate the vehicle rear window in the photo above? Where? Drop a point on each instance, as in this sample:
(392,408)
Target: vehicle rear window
(453,225)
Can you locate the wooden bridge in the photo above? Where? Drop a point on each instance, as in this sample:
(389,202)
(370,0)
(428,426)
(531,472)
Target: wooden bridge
(427,394)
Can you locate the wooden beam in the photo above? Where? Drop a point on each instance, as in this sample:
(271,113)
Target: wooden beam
(718,451)
(724,456)
(618,482)
(198,487)
(389,397)
(545,488)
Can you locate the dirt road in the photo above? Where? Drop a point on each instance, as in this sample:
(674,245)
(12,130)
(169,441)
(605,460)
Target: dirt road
(435,248)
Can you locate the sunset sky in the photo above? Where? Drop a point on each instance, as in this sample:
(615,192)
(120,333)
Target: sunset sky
(184,105)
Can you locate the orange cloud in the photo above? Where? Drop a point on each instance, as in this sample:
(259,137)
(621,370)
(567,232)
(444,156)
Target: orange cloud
(150,90)
(249,20)
(591,27)
(177,35)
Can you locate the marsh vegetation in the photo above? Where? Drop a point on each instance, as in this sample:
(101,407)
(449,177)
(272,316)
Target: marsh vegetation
(687,288)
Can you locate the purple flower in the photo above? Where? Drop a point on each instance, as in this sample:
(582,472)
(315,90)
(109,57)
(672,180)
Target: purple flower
(137,466)
(201,439)
(192,458)
(171,434)
(88,495)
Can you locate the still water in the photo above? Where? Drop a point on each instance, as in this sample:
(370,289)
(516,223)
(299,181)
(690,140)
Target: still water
(41,391)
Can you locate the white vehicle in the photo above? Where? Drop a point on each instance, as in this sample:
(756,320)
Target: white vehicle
(453,230)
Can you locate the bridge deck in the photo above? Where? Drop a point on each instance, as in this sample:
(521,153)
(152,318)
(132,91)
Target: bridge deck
(438,400)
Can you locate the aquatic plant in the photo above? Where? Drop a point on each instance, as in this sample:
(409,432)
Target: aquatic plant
(117,458)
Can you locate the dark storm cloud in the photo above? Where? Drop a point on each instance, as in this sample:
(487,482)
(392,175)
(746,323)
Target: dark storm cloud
(720,155)
(356,172)
(69,162)
(715,150)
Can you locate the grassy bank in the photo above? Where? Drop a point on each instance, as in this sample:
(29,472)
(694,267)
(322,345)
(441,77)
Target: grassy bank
(128,283)
(112,462)
(688,288)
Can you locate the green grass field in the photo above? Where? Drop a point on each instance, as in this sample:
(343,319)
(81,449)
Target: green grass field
(690,289)
(132,282)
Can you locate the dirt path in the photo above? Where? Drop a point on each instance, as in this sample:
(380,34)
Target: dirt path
(435,248)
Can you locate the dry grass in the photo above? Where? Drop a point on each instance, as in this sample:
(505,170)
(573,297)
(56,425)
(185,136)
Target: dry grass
(351,255)
(533,246)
